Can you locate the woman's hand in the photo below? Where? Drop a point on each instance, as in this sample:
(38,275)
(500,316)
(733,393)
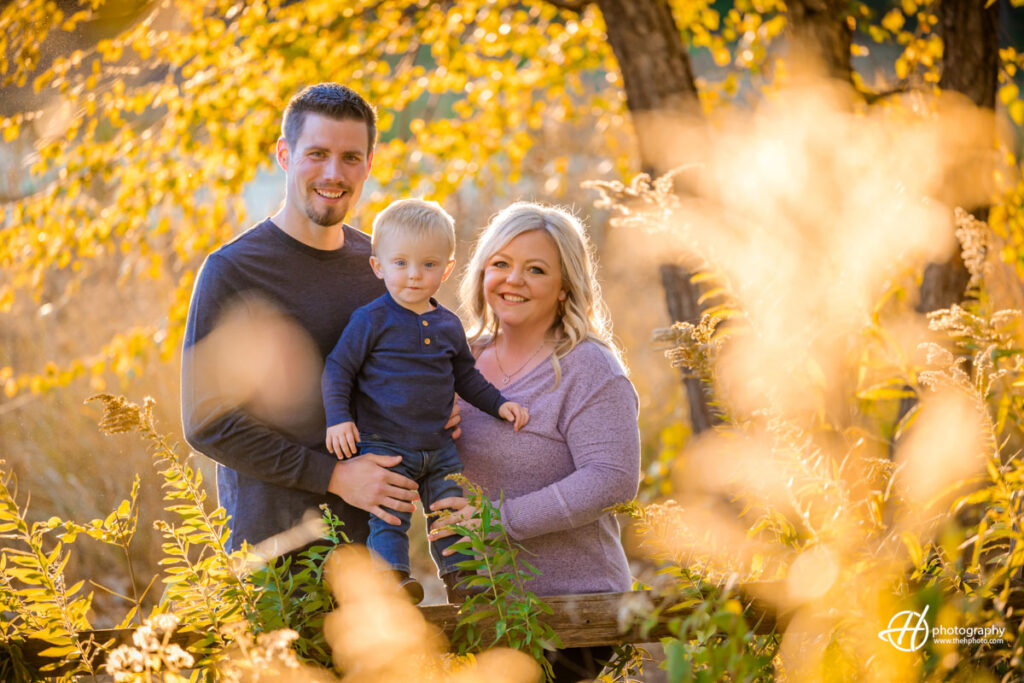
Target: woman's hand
(460,512)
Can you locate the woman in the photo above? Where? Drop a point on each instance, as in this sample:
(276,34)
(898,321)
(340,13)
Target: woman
(541,334)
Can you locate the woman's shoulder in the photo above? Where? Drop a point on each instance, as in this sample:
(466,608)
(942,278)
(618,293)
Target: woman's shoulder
(590,357)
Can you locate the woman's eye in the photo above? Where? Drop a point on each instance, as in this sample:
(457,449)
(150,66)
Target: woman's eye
(499,264)
(536,270)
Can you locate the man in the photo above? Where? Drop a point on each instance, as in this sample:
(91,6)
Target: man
(302,268)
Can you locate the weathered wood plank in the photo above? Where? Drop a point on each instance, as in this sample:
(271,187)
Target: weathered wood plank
(587,620)
(579,620)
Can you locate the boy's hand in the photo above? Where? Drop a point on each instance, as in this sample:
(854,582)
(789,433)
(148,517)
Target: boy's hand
(342,439)
(511,411)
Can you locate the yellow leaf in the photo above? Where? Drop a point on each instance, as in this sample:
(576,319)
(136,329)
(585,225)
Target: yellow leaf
(893,21)
(902,68)
(709,18)
(909,7)
(1008,93)
(1016,111)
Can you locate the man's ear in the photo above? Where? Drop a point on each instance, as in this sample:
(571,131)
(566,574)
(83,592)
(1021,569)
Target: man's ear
(448,269)
(375,264)
(369,161)
(282,153)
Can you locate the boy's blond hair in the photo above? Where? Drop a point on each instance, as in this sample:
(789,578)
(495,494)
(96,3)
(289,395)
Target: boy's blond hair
(417,218)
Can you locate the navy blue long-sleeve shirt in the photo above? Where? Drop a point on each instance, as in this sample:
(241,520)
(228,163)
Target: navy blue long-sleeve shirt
(395,373)
(272,463)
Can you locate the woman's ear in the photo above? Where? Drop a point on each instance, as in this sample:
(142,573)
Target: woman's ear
(562,295)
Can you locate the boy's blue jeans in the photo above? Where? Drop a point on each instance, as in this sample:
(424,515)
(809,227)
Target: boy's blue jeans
(428,469)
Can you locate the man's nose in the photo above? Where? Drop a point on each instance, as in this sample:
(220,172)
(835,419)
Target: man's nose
(332,169)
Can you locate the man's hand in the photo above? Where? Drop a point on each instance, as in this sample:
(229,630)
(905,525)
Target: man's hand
(367,483)
(454,421)
(518,415)
(342,439)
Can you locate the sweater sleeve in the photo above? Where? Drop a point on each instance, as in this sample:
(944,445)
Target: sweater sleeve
(600,429)
(343,364)
(472,386)
(213,423)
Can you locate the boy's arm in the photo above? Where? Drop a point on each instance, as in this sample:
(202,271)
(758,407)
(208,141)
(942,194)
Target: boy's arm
(470,384)
(343,364)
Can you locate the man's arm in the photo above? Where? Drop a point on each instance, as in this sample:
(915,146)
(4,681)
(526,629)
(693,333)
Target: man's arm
(214,424)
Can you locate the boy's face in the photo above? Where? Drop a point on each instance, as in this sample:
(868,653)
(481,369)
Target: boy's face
(412,269)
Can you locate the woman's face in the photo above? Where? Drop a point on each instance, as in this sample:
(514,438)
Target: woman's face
(523,281)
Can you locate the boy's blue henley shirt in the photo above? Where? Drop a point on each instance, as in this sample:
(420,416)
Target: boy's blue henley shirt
(395,373)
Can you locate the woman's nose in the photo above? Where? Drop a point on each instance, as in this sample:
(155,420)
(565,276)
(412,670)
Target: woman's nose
(515,277)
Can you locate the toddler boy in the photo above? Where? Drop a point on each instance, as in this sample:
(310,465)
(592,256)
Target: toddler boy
(390,382)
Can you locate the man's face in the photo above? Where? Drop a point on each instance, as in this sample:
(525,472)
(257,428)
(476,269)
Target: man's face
(327,168)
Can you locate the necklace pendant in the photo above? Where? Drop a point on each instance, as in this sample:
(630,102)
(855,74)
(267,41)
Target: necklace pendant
(505,379)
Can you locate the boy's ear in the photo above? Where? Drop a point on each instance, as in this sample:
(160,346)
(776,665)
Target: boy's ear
(375,264)
(448,269)
(282,153)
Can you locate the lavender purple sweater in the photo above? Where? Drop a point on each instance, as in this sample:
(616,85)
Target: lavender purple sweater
(579,454)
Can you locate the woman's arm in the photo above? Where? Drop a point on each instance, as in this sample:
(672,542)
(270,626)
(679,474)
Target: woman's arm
(600,429)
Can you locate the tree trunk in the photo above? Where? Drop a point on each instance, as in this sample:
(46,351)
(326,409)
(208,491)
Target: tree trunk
(819,29)
(970,65)
(660,92)
(656,70)
(681,299)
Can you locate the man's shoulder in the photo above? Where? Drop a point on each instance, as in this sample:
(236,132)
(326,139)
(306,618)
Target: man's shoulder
(254,239)
(357,240)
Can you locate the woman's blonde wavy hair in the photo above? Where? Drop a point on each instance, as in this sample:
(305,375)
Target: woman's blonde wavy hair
(582,315)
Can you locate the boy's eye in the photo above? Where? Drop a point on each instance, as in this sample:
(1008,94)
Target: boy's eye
(430,264)
(400,262)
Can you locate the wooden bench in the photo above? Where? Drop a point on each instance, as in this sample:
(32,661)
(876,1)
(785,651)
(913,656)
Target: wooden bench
(579,620)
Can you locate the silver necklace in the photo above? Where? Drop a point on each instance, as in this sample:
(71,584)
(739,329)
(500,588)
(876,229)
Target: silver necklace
(507,376)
